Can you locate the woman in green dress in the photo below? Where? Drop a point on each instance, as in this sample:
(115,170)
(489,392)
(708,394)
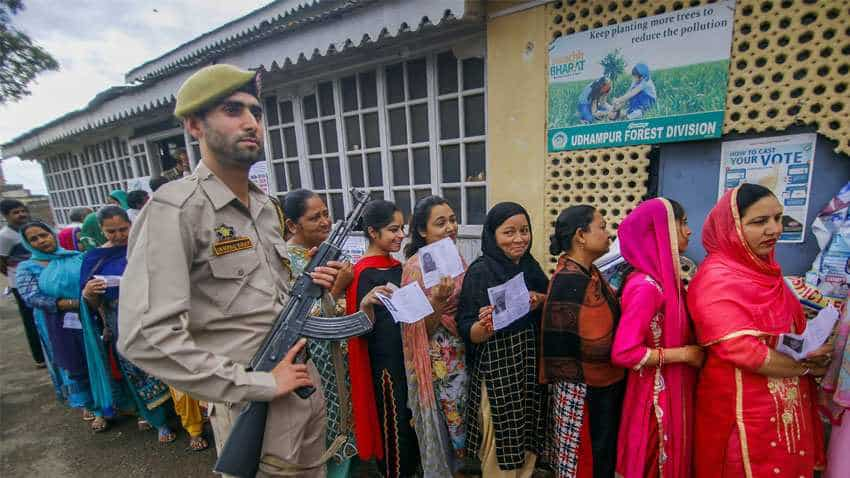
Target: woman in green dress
(308,224)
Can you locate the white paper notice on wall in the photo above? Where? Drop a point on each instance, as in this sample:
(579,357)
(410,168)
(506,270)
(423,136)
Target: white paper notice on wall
(798,346)
(353,248)
(139,184)
(439,259)
(259,175)
(510,301)
(408,304)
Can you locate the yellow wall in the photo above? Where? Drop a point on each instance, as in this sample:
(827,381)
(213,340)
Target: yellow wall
(516,113)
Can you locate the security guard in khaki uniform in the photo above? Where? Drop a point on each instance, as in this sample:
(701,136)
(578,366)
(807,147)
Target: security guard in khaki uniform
(208,274)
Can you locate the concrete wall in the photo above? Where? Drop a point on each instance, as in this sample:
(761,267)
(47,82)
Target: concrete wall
(689,173)
(516,112)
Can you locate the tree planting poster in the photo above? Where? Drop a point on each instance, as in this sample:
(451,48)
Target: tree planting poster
(782,164)
(657,79)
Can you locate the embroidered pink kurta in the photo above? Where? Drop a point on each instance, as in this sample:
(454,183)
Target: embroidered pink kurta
(747,424)
(656,437)
(647,403)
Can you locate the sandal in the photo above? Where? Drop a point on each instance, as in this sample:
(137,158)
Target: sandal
(88,415)
(143,425)
(198,443)
(166,435)
(99,425)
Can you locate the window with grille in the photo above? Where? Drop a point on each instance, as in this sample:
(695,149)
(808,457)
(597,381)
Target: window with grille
(140,157)
(362,125)
(283,147)
(86,177)
(64,184)
(109,168)
(403,131)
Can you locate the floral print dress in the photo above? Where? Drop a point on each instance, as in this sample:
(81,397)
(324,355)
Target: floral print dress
(438,421)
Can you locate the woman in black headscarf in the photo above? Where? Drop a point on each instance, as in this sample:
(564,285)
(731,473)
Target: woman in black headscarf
(505,416)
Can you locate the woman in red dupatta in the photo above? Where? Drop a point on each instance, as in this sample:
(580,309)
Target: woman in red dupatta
(654,341)
(755,413)
(382,419)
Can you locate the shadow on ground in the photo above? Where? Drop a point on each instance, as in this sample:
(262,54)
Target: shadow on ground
(41,437)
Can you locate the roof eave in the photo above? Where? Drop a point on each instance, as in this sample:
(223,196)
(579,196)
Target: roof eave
(391,19)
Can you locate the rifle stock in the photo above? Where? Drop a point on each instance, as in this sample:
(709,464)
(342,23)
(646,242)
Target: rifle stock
(248,432)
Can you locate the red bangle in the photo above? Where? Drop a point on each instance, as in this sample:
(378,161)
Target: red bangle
(660,357)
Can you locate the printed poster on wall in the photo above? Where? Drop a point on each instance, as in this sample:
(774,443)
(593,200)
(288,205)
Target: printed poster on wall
(782,164)
(259,175)
(139,184)
(653,80)
(354,248)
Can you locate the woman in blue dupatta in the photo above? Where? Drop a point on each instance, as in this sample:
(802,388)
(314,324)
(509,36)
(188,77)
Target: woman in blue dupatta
(102,266)
(49,283)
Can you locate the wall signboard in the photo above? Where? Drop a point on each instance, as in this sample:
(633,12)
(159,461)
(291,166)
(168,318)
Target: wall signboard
(657,79)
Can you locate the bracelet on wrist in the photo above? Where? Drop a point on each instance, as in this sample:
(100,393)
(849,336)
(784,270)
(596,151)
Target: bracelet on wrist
(660,357)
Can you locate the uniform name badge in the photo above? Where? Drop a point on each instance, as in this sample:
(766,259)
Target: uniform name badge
(229,242)
(229,246)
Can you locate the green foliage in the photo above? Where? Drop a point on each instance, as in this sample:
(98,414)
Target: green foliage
(613,64)
(681,90)
(21,60)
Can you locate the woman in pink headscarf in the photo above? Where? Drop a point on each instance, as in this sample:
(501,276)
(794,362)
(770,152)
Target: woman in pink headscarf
(755,406)
(68,238)
(654,340)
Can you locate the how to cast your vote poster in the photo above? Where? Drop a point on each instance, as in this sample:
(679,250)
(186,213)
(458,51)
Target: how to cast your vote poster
(782,164)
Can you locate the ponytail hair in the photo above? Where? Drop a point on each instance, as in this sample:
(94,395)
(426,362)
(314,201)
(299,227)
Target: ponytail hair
(570,221)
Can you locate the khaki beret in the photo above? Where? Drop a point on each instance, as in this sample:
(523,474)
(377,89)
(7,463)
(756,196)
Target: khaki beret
(208,85)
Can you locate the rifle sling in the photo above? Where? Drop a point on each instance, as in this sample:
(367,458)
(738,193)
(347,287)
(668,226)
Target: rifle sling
(274,466)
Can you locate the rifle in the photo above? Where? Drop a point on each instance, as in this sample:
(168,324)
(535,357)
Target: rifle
(243,448)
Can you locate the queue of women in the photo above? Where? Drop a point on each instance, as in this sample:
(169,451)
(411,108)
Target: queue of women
(75,303)
(651,380)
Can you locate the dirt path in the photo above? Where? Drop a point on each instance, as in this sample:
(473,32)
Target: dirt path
(41,437)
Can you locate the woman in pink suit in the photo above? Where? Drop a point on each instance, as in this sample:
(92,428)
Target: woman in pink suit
(655,341)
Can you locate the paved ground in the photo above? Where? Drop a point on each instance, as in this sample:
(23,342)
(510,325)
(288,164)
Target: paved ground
(41,437)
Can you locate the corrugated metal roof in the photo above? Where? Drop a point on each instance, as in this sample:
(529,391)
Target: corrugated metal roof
(276,17)
(311,29)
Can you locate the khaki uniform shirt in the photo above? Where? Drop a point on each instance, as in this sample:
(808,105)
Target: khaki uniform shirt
(194,308)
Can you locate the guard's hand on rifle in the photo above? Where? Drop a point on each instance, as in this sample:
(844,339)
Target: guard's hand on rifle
(370,300)
(289,375)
